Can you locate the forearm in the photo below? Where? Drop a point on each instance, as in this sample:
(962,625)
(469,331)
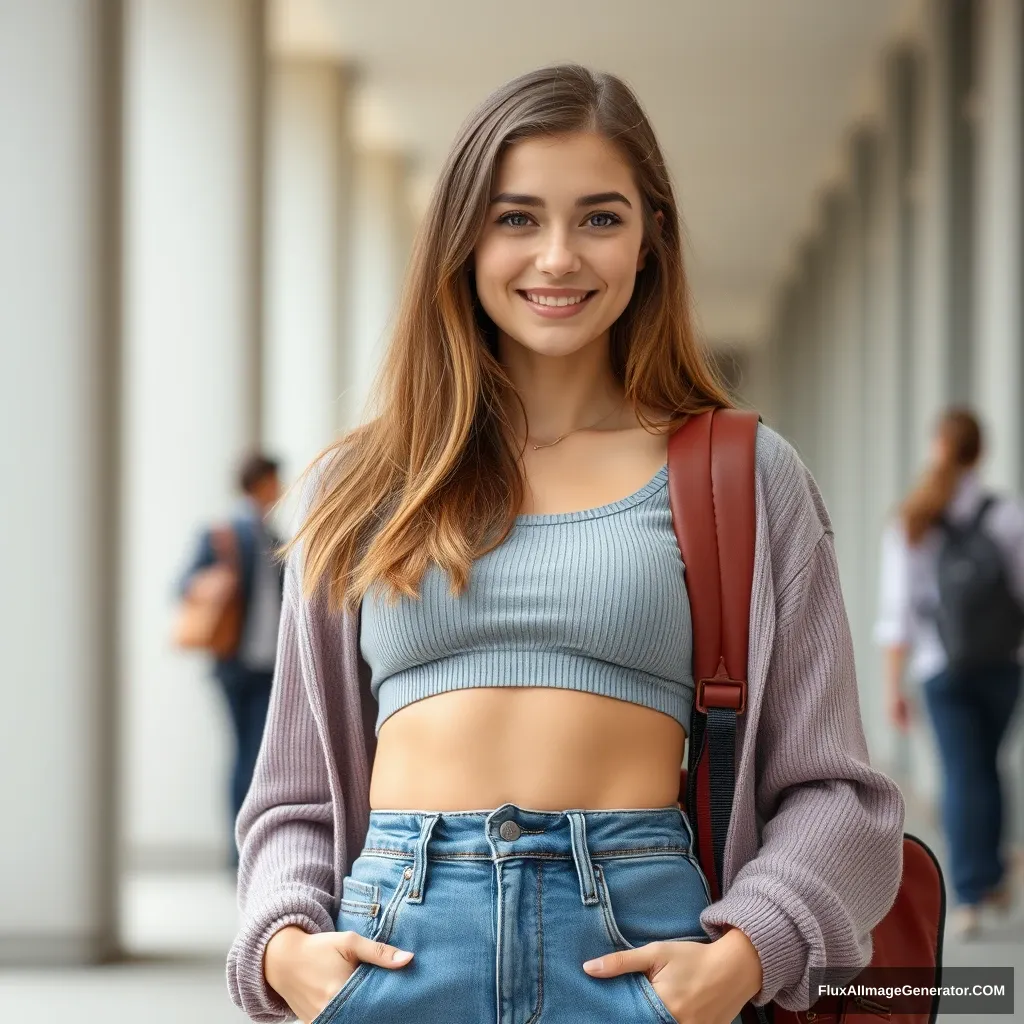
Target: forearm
(895,658)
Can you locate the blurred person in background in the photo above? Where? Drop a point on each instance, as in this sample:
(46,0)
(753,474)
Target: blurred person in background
(950,618)
(246,674)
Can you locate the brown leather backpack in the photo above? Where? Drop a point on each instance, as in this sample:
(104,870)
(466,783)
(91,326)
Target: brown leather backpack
(711,493)
(209,617)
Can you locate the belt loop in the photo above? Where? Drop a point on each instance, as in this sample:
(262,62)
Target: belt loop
(419,873)
(584,868)
(688,828)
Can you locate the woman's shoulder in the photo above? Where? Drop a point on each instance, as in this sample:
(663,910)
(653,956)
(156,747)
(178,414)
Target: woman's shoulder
(788,486)
(792,511)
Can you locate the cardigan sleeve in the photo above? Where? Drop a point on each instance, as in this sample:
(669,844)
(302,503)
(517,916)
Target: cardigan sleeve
(830,858)
(285,829)
(285,835)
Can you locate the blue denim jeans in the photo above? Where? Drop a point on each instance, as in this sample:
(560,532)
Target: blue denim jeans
(247,695)
(501,908)
(970,713)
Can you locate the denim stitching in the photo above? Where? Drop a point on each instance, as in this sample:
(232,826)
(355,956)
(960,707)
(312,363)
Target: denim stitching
(640,850)
(540,948)
(617,939)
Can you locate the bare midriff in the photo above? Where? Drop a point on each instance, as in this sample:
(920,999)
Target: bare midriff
(540,747)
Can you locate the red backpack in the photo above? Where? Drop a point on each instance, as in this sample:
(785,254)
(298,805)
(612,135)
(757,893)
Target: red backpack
(711,493)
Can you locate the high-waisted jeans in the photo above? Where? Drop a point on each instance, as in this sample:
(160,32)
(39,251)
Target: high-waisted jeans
(501,908)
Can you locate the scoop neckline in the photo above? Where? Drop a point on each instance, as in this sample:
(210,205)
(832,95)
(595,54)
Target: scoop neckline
(544,518)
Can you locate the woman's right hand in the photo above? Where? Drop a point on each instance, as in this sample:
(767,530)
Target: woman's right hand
(307,971)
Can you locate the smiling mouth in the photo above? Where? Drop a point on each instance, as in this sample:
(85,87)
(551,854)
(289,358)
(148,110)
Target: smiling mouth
(557,301)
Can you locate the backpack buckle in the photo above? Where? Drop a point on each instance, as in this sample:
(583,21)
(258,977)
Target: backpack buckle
(721,692)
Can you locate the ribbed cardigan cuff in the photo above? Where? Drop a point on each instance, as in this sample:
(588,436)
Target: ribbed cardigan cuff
(247,983)
(783,951)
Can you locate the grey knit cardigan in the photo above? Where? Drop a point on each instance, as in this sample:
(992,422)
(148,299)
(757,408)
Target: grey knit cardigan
(814,852)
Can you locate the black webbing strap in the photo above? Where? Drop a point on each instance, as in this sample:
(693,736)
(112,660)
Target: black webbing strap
(721,743)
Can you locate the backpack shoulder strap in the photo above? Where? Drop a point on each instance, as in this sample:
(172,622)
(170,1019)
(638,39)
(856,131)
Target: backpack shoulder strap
(983,509)
(711,495)
(224,539)
(711,486)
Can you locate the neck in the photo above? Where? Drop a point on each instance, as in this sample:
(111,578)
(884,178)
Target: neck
(561,393)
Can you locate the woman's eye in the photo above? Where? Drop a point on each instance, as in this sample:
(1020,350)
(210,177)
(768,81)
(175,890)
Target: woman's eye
(504,219)
(522,220)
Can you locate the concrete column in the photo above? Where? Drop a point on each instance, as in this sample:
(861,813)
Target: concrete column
(803,386)
(379,255)
(191,401)
(858,412)
(888,379)
(781,359)
(764,362)
(308,235)
(944,241)
(942,254)
(999,368)
(998,376)
(830,326)
(59,256)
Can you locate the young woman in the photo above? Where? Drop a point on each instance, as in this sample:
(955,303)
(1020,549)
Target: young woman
(969,710)
(484,680)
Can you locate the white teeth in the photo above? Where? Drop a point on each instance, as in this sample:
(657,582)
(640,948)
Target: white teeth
(551,300)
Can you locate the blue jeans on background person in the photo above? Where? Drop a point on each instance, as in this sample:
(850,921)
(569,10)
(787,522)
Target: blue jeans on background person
(970,713)
(247,694)
(501,908)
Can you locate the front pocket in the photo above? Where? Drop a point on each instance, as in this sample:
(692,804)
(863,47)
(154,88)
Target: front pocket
(369,893)
(652,898)
(370,906)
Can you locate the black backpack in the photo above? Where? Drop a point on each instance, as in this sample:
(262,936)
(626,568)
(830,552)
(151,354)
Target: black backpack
(980,621)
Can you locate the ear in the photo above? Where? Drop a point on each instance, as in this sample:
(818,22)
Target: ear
(659,218)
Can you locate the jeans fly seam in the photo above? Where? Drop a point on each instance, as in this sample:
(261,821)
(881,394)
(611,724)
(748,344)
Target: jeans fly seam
(540,947)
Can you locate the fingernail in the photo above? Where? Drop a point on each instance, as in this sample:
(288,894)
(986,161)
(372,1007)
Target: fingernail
(594,965)
(401,954)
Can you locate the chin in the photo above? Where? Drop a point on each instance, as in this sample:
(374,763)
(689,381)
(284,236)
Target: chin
(552,346)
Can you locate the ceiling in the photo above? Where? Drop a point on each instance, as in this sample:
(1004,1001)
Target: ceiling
(751,100)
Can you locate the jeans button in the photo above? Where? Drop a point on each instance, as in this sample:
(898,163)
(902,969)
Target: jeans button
(510,831)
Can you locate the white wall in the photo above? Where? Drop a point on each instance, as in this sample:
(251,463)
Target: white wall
(307,244)
(189,397)
(380,225)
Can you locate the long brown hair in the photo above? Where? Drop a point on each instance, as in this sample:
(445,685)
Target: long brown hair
(434,477)
(960,437)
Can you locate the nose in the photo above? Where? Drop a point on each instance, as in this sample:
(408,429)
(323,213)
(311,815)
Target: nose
(556,256)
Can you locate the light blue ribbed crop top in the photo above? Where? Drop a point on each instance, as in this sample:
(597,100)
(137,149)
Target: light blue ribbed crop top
(592,600)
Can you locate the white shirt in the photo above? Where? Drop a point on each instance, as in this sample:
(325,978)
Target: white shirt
(909,577)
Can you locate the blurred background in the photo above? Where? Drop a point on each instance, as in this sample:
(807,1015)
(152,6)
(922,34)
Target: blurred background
(206,209)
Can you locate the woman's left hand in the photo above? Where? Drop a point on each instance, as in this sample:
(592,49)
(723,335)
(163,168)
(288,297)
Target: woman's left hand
(699,982)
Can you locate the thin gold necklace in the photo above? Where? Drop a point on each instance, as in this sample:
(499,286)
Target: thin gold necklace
(576,429)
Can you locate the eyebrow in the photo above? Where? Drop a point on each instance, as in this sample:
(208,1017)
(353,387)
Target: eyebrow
(597,199)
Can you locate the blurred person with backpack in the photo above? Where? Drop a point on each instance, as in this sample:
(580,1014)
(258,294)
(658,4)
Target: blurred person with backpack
(231,609)
(952,618)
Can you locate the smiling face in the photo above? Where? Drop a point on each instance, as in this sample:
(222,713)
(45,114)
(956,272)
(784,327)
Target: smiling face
(557,260)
